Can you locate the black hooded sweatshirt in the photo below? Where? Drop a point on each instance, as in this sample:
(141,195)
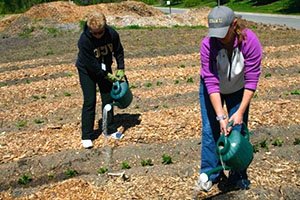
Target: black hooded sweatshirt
(93,52)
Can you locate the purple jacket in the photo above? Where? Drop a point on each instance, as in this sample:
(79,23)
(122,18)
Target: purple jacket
(224,75)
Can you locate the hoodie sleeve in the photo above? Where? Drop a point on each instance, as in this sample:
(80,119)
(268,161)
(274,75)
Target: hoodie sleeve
(118,50)
(87,58)
(252,52)
(208,71)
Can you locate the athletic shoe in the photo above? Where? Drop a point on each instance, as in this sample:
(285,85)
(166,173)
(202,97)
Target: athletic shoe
(87,144)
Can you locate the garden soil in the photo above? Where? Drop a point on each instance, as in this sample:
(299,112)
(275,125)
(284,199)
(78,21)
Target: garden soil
(41,156)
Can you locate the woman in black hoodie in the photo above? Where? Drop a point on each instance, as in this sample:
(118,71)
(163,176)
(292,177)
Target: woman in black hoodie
(97,45)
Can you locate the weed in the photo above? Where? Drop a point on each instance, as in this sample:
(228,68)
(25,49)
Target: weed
(147,162)
(68,74)
(52,31)
(297,141)
(278,142)
(166,159)
(125,165)
(71,173)
(24,179)
(133,27)
(102,170)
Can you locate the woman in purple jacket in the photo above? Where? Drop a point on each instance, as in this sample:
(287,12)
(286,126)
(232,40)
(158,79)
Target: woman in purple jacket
(231,65)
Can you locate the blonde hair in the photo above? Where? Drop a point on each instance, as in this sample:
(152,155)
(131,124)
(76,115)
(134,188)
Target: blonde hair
(96,20)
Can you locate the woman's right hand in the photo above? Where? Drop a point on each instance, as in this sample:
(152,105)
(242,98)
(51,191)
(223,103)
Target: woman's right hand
(223,127)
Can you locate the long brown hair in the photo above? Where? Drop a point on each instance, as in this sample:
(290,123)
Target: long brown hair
(239,30)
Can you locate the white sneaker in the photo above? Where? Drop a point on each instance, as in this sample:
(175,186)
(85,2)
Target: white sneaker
(203,183)
(87,144)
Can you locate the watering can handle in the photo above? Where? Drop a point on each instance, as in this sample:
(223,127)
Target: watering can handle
(246,130)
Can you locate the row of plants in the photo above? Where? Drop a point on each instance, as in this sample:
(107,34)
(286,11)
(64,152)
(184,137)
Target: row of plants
(277,142)
(69,173)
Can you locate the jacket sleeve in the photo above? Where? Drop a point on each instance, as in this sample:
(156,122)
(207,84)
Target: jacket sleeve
(118,51)
(208,70)
(87,57)
(252,52)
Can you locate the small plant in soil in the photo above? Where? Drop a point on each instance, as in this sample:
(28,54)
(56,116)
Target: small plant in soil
(264,144)
(67,94)
(35,97)
(125,165)
(132,86)
(166,159)
(102,170)
(190,80)
(21,123)
(50,176)
(159,83)
(255,148)
(268,75)
(69,74)
(3,84)
(148,85)
(176,82)
(147,162)
(24,179)
(278,142)
(71,173)
(297,141)
(182,66)
(38,121)
(295,92)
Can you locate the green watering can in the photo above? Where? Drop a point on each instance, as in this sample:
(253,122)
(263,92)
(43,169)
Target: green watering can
(121,94)
(235,151)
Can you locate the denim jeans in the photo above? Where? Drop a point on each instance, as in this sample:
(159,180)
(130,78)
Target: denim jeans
(211,130)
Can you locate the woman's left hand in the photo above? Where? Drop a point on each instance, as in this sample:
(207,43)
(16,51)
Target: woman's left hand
(237,119)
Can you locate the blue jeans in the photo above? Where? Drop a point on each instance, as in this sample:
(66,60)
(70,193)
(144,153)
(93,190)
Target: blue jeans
(211,130)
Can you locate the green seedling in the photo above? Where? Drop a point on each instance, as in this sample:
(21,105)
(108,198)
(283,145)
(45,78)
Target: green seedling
(71,173)
(176,82)
(67,94)
(166,159)
(102,170)
(3,84)
(297,141)
(125,165)
(147,162)
(278,142)
(24,180)
(35,97)
(268,75)
(190,80)
(132,86)
(264,145)
(28,81)
(21,123)
(50,176)
(182,66)
(148,84)
(38,121)
(159,83)
(255,148)
(69,74)
(295,92)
